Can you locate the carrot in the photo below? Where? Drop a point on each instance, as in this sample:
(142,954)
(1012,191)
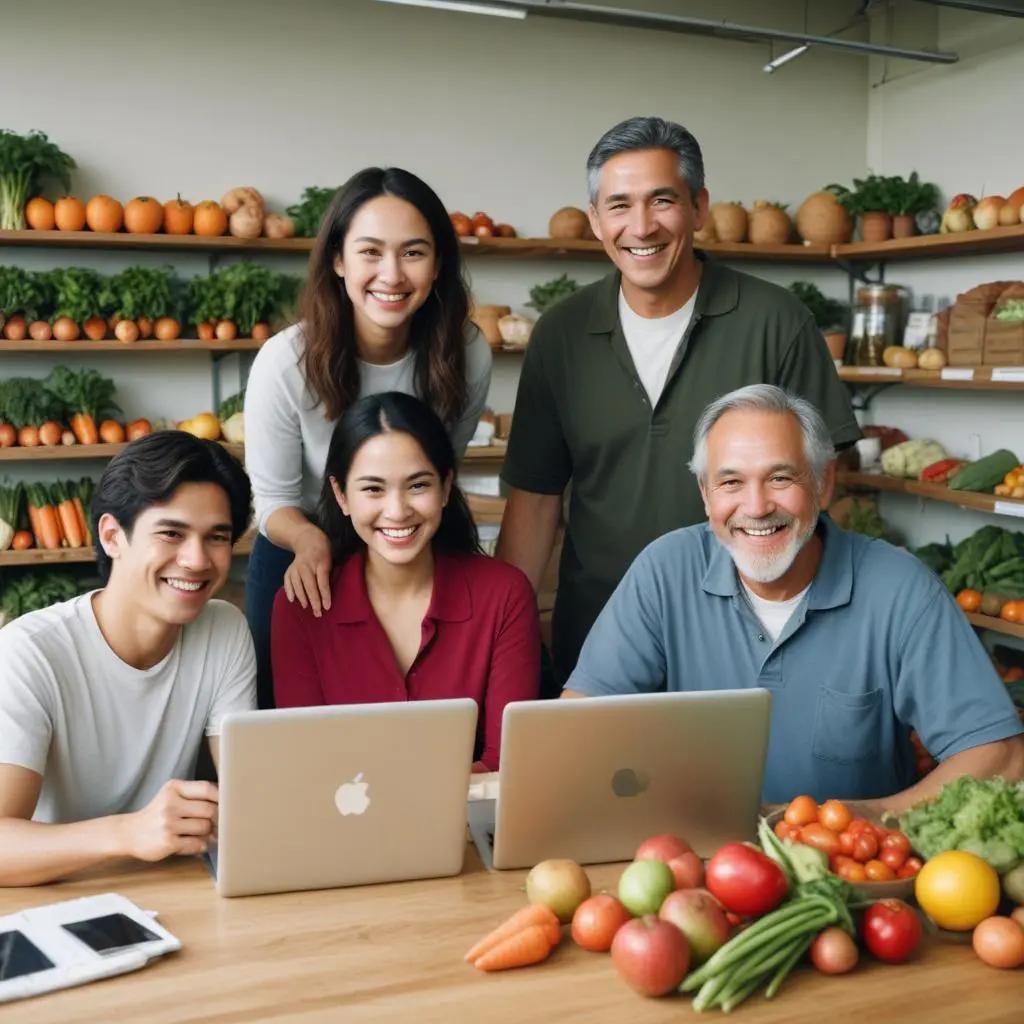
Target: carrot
(528,946)
(83,523)
(84,427)
(33,517)
(535,913)
(49,534)
(68,516)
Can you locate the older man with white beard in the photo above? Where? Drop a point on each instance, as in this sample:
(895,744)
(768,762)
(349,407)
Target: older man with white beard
(856,640)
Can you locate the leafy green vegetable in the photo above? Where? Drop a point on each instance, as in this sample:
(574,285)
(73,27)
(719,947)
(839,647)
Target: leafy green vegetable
(77,293)
(986,560)
(24,402)
(35,590)
(827,312)
(150,292)
(550,293)
(983,816)
(84,391)
(1012,311)
(938,557)
(246,293)
(310,209)
(895,194)
(25,292)
(231,405)
(25,162)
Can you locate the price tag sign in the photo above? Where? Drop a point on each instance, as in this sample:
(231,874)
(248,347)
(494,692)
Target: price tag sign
(958,373)
(1008,373)
(1009,508)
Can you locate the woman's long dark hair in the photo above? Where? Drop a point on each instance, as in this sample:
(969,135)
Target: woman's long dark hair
(438,331)
(387,412)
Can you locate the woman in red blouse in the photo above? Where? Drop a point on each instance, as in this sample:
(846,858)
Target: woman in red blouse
(417,612)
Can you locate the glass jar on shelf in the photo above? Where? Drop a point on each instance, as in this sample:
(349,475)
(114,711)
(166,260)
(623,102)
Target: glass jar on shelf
(878,319)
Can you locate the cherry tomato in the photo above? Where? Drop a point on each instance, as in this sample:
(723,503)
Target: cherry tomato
(834,952)
(802,810)
(879,871)
(820,838)
(910,868)
(784,830)
(892,856)
(865,847)
(596,921)
(853,872)
(846,842)
(897,841)
(880,832)
(859,825)
(834,815)
(891,930)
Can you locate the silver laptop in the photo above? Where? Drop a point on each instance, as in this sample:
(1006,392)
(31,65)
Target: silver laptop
(591,779)
(313,798)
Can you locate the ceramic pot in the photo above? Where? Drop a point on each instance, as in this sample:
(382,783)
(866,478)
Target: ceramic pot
(903,226)
(875,227)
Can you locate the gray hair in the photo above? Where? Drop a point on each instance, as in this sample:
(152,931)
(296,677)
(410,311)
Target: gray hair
(647,133)
(818,446)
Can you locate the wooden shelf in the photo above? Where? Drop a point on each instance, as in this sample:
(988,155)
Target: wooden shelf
(981,381)
(924,247)
(61,453)
(109,345)
(996,625)
(491,453)
(80,556)
(933,492)
(124,240)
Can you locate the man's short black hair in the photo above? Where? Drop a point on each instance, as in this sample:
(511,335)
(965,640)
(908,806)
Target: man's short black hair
(152,468)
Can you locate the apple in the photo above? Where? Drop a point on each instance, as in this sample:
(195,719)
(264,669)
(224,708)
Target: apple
(561,885)
(700,917)
(687,868)
(652,955)
(644,885)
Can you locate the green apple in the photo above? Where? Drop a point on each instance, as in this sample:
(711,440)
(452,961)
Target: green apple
(644,885)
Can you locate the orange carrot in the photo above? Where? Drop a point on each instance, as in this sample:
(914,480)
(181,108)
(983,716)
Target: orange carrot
(33,519)
(49,535)
(84,427)
(529,946)
(83,523)
(68,515)
(535,913)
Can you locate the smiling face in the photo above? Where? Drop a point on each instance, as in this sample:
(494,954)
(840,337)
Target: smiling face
(646,217)
(394,497)
(178,555)
(762,498)
(388,264)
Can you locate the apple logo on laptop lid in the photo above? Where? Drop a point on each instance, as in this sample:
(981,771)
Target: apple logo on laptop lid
(351,798)
(626,782)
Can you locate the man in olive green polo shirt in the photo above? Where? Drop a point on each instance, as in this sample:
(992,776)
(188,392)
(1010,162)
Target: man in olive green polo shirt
(617,374)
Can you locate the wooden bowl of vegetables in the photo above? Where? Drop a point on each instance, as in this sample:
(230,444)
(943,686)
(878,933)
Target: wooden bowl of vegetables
(877,861)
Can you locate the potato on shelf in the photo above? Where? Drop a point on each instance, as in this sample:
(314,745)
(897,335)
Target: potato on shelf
(569,222)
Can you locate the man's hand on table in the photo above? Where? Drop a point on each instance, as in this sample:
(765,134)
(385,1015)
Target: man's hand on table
(179,820)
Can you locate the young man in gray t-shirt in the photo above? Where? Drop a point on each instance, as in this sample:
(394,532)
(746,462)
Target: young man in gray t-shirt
(105,699)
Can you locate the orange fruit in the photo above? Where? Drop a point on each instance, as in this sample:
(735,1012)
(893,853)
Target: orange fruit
(209,218)
(143,215)
(69,213)
(39,214)
(102,213)
(969,600)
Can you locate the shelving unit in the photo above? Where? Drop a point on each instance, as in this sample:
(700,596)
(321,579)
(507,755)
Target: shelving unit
(151,347)
(79,556)
(925,247)
(933,492)
(61,453)
(1015,629)
(981,379)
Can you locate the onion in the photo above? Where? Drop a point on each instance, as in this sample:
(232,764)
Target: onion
(834,952)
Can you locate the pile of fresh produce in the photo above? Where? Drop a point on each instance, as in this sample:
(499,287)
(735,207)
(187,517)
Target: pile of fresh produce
(858,850)
(908,459)
(26,161)
(309,211)
(227,424)
(29,591)
(243,298)
(480,225)
(966,213)
(54,515)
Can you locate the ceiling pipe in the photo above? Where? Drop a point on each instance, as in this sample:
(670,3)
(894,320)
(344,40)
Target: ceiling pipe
(1004,9)
(571,11)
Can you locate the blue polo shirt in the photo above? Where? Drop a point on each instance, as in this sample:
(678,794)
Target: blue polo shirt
(876,648)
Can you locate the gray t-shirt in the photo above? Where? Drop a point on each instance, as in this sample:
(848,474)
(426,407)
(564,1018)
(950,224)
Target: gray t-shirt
(105,736)
(287,435)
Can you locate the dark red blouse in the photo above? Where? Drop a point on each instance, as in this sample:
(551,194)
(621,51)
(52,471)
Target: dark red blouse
(479,639)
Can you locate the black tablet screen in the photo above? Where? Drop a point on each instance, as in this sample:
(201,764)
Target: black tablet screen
(110,933)
(19,956)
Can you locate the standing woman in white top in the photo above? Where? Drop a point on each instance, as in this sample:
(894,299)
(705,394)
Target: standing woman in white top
(385,308)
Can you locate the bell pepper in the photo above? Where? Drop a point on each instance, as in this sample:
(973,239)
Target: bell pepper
(939,472)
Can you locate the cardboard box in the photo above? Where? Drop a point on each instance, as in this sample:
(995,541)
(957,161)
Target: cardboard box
(1004,343)
(966,337)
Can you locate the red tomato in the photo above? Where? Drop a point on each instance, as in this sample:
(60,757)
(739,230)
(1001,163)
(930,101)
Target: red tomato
(820,838)
(910,868)
(891,930)
(597,920)
(859,825)
(865,847)
(745,881)
(784,830)
(802,810)
(854,872)
(837,861)
(846,842)
(897,841)
(892,856)
(834,815)
(879,871)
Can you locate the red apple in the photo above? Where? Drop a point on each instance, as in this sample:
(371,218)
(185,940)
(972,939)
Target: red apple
(686,866)
(652,955)
(700,917)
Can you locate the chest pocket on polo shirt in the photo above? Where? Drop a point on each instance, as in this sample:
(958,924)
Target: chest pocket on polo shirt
(847,726)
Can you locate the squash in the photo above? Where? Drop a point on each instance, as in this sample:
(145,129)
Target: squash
(205,425)
(568,222)
(730,220)
(247,222)
(277,225)
(822,220)
(898,356)
(931,359)
(984,474)
(769,224)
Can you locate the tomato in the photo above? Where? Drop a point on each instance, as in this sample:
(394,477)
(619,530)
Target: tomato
(802,810)
(910,868)
(957,890)
(859,825)
(836,861)
(1012,611)
(854,872)
(999,942)
(820,838)
(969,600)
(891,930)
(834,815)
(834,952)
(879,871)
(865,846)
(744,880)
(597,920)
(784,830)
(892,857)
(846,842)
(897,841)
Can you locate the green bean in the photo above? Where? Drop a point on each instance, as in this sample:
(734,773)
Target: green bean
(734,1000)
(768,960)
(780,975)
(812,918)
(710,990)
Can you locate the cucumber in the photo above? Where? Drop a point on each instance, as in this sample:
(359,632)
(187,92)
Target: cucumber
(984,474)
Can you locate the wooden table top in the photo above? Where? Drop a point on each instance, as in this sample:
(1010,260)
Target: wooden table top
(394,953)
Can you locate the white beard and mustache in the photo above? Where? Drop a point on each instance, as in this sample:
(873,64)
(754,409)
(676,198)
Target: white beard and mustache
(770,566)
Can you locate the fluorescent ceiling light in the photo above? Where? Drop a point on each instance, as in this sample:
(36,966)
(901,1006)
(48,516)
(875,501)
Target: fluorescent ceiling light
(469,8)
(785,58)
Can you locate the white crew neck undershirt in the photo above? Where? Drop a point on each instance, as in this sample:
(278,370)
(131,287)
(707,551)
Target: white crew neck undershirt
(773,615)
(652,342)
